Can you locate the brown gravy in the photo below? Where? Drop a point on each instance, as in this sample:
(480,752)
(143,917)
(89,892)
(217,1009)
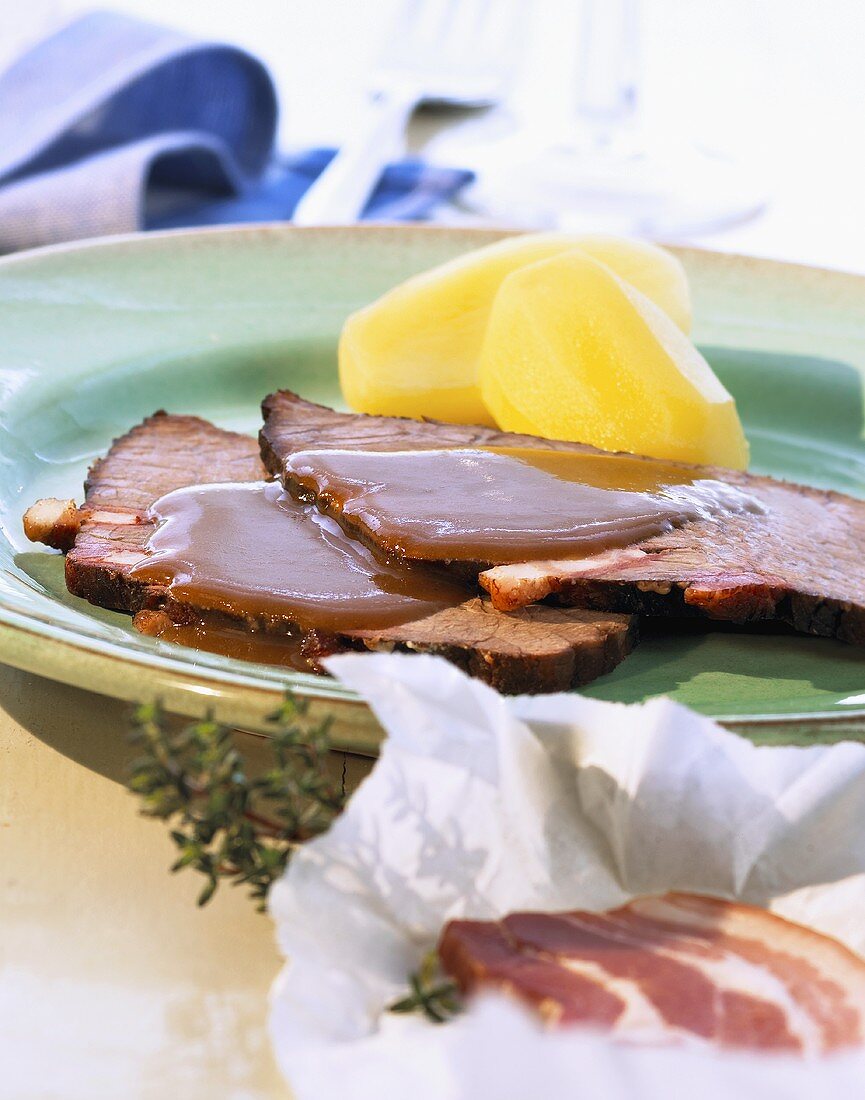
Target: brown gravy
(501,505)
(251,552)
(283,650)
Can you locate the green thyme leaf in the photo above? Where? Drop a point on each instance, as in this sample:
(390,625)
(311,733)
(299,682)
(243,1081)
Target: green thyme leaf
(226,823)
(437,997)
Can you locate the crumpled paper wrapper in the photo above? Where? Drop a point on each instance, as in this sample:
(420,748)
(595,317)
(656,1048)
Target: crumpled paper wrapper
(480,805)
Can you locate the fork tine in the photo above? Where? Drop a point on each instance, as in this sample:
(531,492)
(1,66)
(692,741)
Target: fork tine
(477,18)
(456,50)
(461,34)
(403,15)
(464,33)
(498,38)
(403,25)
(432,23)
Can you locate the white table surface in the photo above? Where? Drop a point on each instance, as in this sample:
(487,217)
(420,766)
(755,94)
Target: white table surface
(112,982)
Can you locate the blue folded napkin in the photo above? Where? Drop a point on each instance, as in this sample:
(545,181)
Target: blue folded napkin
(113,125)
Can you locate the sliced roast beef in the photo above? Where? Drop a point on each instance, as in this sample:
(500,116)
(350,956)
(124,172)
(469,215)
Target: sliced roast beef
(801,564)
(534,649)
(160,455)
(791,553)
(293,424)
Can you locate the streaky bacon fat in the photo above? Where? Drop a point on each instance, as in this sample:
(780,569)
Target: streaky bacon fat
(671,967)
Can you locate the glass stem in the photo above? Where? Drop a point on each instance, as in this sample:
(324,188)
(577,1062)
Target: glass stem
(608,69)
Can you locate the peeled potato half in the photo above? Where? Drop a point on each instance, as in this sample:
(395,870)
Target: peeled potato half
(415,351)
(572,351)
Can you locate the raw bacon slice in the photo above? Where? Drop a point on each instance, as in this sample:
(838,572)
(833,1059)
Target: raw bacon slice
(671,967)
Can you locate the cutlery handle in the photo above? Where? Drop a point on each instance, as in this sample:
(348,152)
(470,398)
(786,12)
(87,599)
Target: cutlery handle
(341,192)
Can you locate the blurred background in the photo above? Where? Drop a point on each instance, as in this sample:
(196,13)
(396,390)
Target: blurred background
(735,126)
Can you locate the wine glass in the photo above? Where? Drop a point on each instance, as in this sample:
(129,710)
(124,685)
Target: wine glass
(604,169)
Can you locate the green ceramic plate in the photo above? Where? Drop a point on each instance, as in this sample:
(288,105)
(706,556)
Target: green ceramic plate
(95,336)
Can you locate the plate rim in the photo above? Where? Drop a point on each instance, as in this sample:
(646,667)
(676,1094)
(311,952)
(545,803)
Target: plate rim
(189,685)
(489,233)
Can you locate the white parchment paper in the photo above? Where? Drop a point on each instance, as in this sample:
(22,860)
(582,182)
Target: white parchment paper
(481,804)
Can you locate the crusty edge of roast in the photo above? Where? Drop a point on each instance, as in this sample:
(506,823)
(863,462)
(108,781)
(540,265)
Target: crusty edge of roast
(741,604)
(54,522)
(511,673)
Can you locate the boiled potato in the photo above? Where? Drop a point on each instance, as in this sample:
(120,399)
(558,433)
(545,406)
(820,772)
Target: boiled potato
(415,351)
(572,351)
(651,270)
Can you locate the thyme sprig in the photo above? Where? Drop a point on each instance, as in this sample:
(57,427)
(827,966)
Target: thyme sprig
(438,998)
(227,823)
(231,825)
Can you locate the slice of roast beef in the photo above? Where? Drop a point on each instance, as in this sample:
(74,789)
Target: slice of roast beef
(795,556)
(799,562)
(160,455)
(293,424)
(534,649)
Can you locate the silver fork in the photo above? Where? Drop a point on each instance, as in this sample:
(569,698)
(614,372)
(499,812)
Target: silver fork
(455,52)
